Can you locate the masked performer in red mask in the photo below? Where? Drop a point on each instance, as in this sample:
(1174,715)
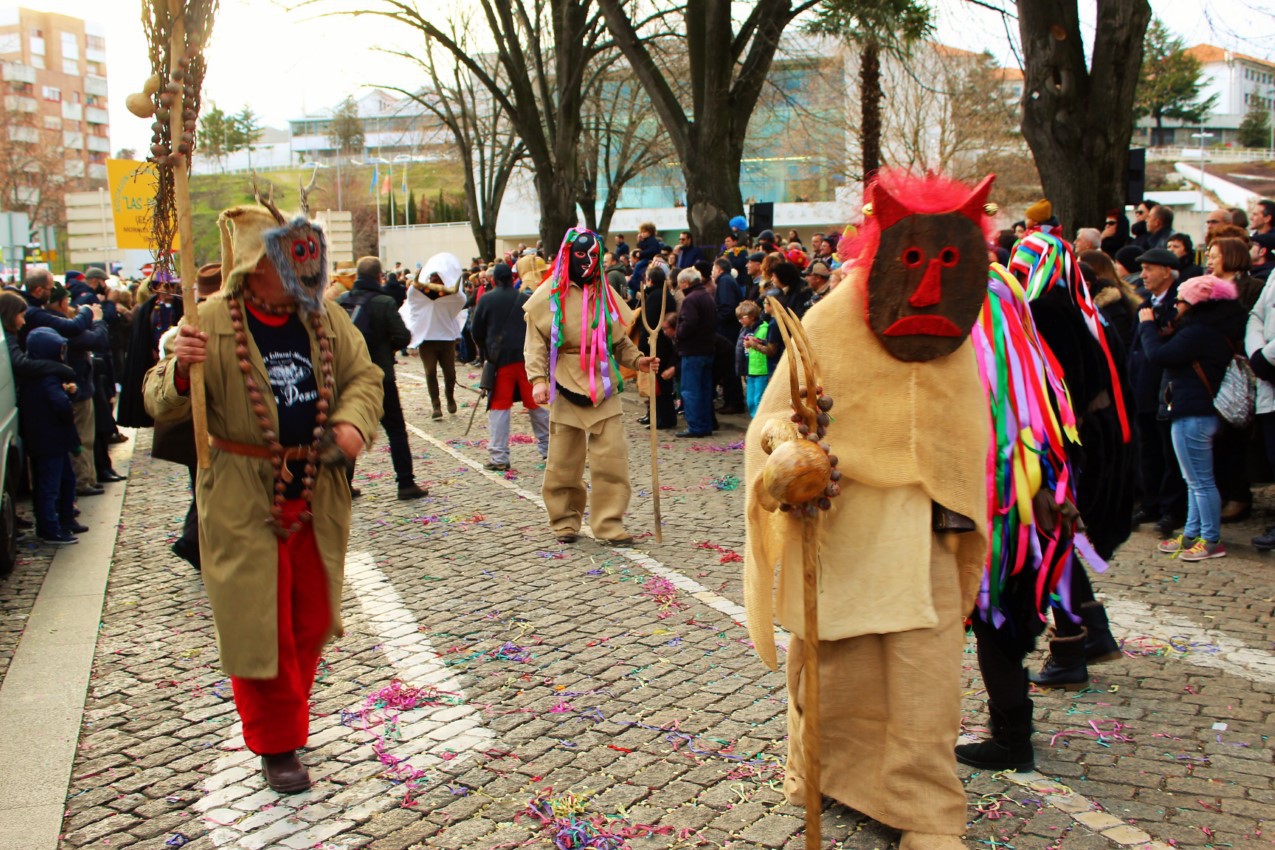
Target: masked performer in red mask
(902,549)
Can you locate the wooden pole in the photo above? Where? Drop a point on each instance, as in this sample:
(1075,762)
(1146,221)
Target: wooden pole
(186,249)
(653,336)
(811,731)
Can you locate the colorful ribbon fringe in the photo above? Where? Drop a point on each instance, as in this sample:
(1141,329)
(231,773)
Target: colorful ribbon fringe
(1047,261)
(1032,420)
(601,308)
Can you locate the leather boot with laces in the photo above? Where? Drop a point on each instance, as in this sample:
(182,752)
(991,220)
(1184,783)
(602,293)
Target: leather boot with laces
(1065,667)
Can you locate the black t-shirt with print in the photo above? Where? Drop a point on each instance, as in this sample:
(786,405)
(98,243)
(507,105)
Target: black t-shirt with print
(285,349)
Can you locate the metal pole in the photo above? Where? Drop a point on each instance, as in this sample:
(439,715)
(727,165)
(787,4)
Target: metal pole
(101,206)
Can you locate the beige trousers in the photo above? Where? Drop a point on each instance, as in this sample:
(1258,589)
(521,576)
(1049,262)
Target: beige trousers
(608,495)
(86,427)
(889,716)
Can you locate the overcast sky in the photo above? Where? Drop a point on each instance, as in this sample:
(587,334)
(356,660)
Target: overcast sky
(286,64)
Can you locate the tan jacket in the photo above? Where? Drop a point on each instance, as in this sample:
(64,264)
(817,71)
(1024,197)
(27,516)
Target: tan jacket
(571,374)
(238,547)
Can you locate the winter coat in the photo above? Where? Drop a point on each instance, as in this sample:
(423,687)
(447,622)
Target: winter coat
(649,247)
(697,323)
(1259,345)
(240,551)
(46,416)
(500,327)
(80,351)
(652,308)
(1144,378)
(385,332)
(142,354)
(618,279)
(25,367)
(1210,333)
(1250,289)
(728,297)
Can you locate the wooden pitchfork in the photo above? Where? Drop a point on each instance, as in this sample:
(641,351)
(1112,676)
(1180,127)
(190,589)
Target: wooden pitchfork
(805,403)
(653,336)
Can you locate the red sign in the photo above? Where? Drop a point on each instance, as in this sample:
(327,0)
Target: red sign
(148,269)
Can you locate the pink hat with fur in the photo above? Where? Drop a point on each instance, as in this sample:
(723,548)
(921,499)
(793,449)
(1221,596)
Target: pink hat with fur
(1207,288)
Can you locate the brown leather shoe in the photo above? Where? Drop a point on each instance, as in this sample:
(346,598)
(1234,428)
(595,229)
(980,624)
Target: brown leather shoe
(285,773)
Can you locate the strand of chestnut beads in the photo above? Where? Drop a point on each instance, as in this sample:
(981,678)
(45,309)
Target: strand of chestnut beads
(257,399)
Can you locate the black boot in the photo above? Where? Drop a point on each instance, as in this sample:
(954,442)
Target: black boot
(1065,667)
(1265,542)
(1100,644)
(1009,748)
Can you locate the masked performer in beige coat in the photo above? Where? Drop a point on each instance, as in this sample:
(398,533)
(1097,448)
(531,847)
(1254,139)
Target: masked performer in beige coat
(576,341)
(901,551)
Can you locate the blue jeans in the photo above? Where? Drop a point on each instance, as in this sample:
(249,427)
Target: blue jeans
(697,393)
(756,386)
(1193,443)
(54,497)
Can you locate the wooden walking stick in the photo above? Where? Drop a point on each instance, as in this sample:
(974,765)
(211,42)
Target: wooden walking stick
(803,471)
(482,394)
(176,31)
(653,336)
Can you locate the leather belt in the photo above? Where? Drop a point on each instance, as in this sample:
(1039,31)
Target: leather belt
(259,451)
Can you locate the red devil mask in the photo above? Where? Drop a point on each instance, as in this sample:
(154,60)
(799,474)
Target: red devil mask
(929,277)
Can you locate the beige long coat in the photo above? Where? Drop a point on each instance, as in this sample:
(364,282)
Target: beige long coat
(238,547)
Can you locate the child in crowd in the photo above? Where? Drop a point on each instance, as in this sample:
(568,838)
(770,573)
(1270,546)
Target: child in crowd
(649,246)
(48,432)
(760,344)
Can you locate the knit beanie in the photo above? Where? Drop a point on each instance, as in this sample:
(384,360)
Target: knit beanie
(1040,211)
(1128,257)
(1207,288)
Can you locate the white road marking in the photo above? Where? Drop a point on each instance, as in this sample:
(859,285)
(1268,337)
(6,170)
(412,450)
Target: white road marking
(682,582)
(1212,648)
(239,810)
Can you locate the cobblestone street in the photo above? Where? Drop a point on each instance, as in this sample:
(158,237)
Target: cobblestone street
(492,682)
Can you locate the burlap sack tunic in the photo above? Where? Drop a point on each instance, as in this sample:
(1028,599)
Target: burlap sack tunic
(576,431)
(892,593)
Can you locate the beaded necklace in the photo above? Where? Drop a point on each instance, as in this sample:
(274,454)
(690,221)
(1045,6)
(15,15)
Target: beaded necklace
(282,476)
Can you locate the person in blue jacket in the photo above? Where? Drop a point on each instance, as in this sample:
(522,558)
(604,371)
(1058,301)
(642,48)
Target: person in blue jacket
(47,421)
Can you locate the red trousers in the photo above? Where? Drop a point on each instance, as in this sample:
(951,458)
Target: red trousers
(511,383)
(276,712)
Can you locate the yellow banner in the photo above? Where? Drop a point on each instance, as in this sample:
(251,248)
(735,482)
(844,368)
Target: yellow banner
(132,196)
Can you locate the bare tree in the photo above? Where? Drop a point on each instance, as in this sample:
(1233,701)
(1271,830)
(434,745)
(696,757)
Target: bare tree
(483,130)
(345,130)
(949,111)
(548,52)
(1078,115)
(33,171)
(621,140)
(705,105)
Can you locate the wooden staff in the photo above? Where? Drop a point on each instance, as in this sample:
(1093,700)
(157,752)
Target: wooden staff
(653,336)
(805,402)
(186,231)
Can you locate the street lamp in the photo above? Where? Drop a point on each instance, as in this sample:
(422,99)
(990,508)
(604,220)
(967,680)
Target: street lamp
(1202,135)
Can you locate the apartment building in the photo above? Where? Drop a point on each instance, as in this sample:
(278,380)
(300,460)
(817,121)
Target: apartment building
(53,78)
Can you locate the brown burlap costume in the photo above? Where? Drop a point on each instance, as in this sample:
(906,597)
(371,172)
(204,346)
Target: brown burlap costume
(893,593)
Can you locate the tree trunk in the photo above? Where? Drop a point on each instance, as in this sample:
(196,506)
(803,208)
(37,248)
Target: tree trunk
(712,190)
(1078,120)
(558,195)
(870,102)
